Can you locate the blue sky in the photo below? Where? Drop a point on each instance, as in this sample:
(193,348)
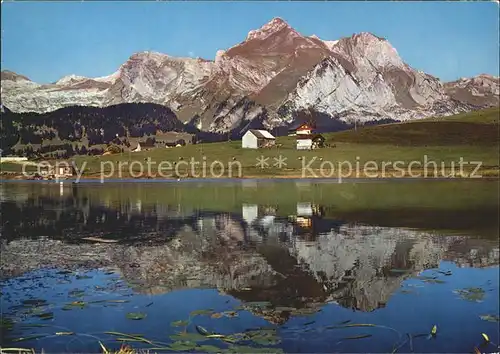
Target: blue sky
(48,40)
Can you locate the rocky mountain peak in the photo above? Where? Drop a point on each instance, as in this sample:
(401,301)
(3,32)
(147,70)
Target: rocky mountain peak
(146,55)
(271,74)
(275,25)
(275,38)
(12,76)
(374,50)
(488,76)
(482,90)
(367,37)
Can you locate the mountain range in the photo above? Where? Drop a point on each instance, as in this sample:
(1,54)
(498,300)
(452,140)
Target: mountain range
(266,79)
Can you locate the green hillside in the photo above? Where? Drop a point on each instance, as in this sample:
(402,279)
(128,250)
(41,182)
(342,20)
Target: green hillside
(470,137)
(476,129)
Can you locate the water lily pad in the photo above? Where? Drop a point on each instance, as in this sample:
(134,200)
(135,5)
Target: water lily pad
(201,330)
(261,331)
(249,349)
(74,305)
(471,294)
(79,277)
(76,293)
(490,318)
(6,323)
(267,336)
(34,302)
(36,310)
(234,338)
(33,325)
(181,346)
(64,333)
(434,330)
(136,315)
(128,339)
(179,323)
(230,314)
(216,336)
(45,315)
(209,349)
(108,301)
(183,336)
(361,336)
(22,339)
(201,312)
(266,341)
(434,281)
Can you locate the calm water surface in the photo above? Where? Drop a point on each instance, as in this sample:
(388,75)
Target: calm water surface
(250,266)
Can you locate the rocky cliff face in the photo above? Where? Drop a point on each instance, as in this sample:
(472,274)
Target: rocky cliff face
(271,75)
(367,80)
(482,90)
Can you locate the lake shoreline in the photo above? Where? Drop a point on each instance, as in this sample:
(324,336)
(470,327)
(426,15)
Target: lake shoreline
(480,175)
(249,179)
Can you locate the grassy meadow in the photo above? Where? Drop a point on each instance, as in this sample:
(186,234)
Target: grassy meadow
(472,137)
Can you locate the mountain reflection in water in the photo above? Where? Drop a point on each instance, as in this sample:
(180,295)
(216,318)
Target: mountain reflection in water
(253,252)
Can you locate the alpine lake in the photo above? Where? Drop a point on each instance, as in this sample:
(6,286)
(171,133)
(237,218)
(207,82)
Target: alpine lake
(250,266)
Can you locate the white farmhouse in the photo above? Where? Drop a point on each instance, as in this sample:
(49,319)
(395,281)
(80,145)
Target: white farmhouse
(138,148)
(254,139)
(304,142)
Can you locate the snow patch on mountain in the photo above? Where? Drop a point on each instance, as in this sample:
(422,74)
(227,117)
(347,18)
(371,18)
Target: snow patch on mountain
(331,44)
(275,25)
(70,79)
(108,78)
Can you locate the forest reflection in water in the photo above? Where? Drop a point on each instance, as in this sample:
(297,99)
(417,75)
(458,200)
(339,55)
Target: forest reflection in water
(309,248)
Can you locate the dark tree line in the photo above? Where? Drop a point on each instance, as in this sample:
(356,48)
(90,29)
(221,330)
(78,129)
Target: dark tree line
(85,130)
(71,125)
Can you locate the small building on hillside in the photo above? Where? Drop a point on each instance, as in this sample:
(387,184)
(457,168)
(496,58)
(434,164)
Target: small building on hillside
(250,213)
(60,170)
(145,145)
(138,148)
(178,143)
(255,139)
(304,128)
(306,138)
(64,170)
(310,141)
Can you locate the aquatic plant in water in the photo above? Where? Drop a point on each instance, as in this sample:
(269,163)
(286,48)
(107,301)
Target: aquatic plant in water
(471,294)
(490,318)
